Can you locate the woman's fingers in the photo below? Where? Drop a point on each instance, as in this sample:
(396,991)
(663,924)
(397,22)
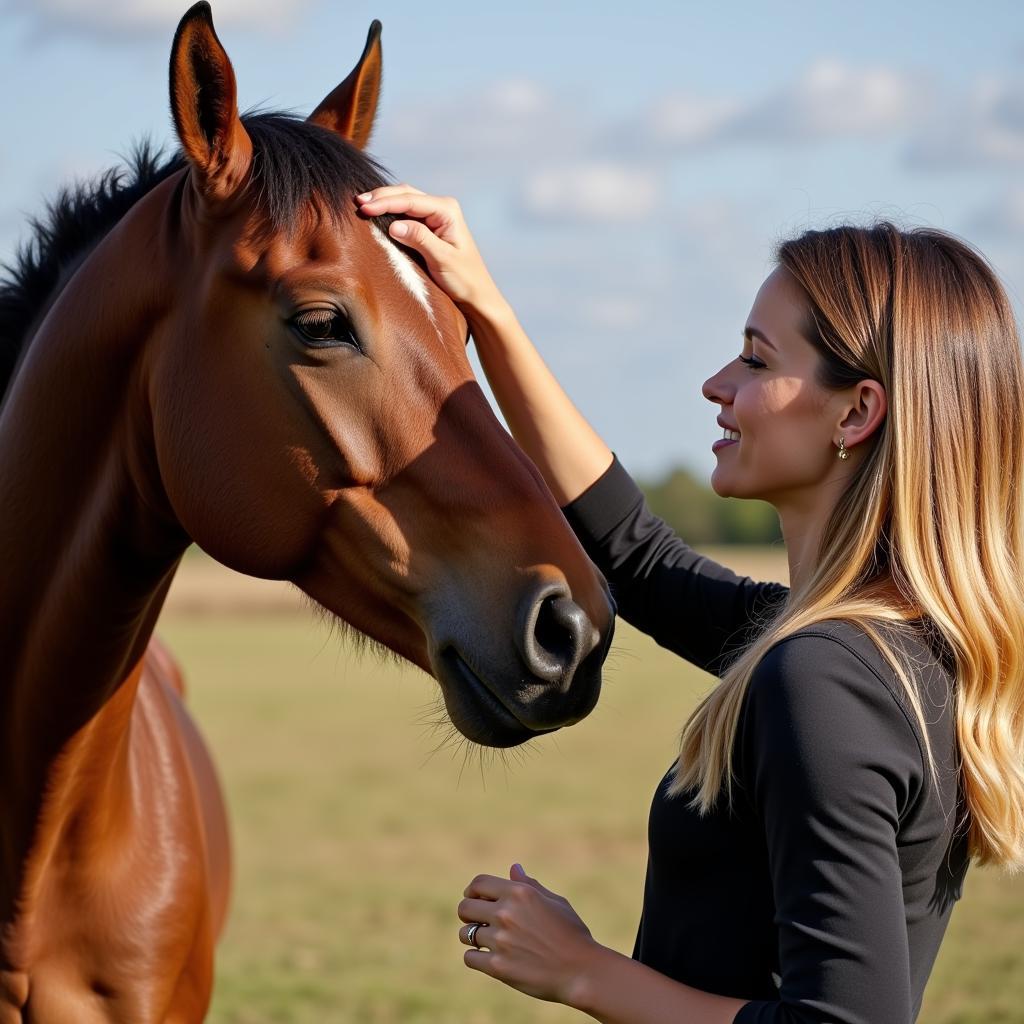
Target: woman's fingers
(517,874)
(472,910)
(479,936)
(437,226)
(440,213)
(434,227)
(489,887)
(478,960)
(388,190)
(419,237)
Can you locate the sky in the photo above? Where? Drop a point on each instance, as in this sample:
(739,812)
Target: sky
(627,169)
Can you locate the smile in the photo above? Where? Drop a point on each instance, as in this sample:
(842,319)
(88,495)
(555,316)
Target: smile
(730,437)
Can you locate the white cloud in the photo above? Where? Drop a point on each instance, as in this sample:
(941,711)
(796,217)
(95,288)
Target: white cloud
(832,100)
(547,152)
(489,140)
(513,120)
(829,100)
(114,19)
(986,128)
(516,97)
(590,192)
(683,121)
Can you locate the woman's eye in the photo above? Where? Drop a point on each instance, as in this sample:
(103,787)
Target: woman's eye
(324,328)
(754,364)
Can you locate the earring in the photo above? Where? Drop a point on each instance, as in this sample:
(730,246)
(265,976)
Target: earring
(843,453)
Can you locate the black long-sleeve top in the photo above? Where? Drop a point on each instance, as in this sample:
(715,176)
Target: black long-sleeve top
(825,893)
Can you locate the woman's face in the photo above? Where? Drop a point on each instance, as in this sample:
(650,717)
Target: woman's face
(788,423)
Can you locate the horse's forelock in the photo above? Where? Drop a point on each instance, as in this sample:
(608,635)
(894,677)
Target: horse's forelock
(296,162)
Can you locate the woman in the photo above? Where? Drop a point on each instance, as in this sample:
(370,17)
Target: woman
(867,736)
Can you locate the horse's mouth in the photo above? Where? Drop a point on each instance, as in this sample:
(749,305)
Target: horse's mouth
(476,710)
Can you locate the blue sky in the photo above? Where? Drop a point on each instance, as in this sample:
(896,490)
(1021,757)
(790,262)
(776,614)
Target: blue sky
(626,168)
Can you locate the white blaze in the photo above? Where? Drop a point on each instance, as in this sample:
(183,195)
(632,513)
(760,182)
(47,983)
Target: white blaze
(405,272)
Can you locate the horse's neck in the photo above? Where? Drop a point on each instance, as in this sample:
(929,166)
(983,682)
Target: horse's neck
(86,550)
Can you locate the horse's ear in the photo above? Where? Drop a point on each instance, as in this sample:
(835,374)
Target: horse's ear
(350,109)
(205,107)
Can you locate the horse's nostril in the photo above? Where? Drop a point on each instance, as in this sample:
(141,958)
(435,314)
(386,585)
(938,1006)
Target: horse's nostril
(551,632)
(558,636)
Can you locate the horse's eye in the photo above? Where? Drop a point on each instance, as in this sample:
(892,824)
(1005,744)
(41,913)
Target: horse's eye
(324,328)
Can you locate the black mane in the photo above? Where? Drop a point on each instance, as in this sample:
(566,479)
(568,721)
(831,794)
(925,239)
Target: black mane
(294,163)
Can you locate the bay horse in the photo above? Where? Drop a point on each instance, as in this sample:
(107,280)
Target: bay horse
(222,351)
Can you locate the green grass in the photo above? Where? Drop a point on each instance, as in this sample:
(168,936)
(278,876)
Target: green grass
(354,839)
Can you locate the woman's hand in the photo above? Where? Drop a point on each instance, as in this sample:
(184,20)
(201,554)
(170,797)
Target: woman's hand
(440,234)
(534,940)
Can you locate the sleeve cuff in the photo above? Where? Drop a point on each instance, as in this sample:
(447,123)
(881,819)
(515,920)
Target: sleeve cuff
(605,503)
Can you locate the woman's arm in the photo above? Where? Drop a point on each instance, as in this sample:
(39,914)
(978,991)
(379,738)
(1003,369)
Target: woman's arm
(619,990)
(542,418)
(832,767)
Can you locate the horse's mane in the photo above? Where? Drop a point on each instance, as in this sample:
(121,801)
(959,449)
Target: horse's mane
(294,163)
(79,217)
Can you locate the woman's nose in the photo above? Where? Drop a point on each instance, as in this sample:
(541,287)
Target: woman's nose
(717,388)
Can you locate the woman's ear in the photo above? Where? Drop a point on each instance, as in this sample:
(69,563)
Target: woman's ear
(866,412)
(205,108)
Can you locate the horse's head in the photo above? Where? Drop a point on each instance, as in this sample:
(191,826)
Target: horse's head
(316,418)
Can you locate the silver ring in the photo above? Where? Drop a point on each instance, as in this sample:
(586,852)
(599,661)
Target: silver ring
(471,934)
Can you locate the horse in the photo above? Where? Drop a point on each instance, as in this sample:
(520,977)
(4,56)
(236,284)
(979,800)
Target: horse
(222,351)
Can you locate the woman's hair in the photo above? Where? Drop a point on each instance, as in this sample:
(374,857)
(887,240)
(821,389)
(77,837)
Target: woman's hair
(935,506)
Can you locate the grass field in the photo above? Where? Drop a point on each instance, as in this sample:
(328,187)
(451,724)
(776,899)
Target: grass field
(354,835)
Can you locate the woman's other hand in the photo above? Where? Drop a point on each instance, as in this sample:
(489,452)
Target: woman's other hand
(532,939)
(436,229)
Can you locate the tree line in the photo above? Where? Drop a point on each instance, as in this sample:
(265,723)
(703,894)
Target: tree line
(700,516)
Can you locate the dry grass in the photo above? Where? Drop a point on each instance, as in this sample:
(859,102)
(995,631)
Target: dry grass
(354,836)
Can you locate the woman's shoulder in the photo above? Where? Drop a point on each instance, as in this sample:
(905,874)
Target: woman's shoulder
(811,662)
(848,650)
(832,676)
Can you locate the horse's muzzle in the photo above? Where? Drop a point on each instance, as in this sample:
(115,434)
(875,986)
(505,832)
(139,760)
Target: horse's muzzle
(547,678)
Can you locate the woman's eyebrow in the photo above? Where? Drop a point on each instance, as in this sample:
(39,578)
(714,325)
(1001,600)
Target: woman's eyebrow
(753,332)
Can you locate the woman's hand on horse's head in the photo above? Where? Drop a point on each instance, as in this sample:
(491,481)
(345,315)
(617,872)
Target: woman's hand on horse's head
(435,227)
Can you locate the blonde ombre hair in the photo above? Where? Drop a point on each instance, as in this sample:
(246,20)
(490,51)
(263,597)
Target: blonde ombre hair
(935,508)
